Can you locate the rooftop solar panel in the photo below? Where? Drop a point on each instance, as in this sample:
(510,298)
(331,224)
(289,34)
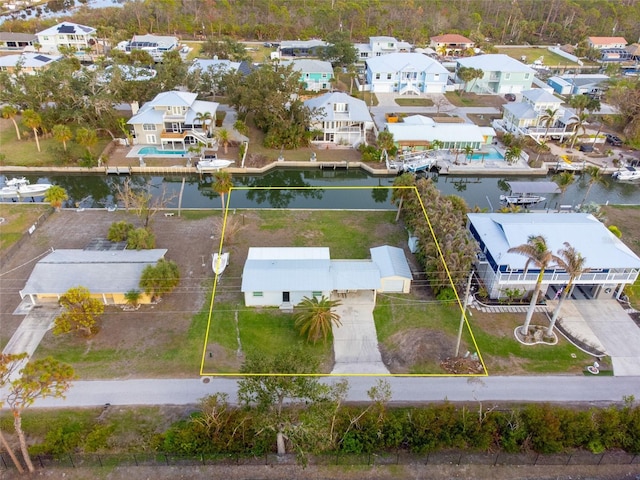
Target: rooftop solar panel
(41,58)
(66,29)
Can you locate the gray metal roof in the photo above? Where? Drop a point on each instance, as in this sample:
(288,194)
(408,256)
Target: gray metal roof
(355,275)
(358,110)
(590,237)
(98,271)
(391,261)
(495,62)
(395,62)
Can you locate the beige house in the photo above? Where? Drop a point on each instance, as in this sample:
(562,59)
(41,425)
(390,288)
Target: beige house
(107,274)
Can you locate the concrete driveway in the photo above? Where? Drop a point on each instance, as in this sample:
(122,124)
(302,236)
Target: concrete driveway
(355,342)
(605,325)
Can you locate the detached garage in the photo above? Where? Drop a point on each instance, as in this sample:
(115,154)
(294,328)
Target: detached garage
(395,274)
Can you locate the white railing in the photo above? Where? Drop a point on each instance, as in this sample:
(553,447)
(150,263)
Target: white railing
(558,277)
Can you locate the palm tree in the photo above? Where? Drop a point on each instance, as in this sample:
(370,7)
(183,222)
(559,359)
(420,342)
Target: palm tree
(596,176)
(223,137)
(548,119)
(573,263)
(87,138)
(563,180)
(316,318)
(578,122)
(468,151)
(33,121)
(436,145)
(222,184)
(62,134)
(538,253)
(203,118)
(55,195)
(512,154)
(10,112)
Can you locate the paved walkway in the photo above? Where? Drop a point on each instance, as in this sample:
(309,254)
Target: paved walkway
(355,342)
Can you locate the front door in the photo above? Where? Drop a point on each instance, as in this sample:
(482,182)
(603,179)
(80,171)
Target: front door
(286,297)
(175,127)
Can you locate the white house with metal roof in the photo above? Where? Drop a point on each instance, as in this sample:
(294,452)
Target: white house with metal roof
(502,74)
(380,45)
(108,275)
(154,45)
(67,35)
(611,264)
(172,119)
(283,276)
(341,119)
(30,63)
(405,73)
(528,117)
(419,132)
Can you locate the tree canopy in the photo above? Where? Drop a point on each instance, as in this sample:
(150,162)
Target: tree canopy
(80,313)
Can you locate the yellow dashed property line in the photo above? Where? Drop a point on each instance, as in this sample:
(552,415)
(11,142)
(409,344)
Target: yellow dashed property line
(215,284)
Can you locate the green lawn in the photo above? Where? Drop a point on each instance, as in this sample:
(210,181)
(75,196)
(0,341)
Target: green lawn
(414,102)
(531,54)
(463,99)
(25,152)
(17,220)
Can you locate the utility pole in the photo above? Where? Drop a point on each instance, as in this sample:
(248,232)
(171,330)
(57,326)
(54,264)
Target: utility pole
(464,309)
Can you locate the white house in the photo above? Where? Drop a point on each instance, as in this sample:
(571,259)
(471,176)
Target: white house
(380,45)
(606,42)
(342,119)
(405,73)
(528,117)
(612,264)
(502,74)
(16,41)
(68,35)
(173,119)
(30,63)
(419,132)
(154,45)
(451,44)
(283,276)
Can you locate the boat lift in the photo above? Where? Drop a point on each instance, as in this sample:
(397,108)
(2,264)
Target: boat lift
(412,162)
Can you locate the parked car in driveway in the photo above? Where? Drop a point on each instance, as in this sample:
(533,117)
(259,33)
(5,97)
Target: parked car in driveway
(612,139)
(510,97)
(586,148)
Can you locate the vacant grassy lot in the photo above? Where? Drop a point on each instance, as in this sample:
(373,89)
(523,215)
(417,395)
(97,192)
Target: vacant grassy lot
(25,152)
(462,99)
(16,220)
(414,102)
(532,54)
(483,120)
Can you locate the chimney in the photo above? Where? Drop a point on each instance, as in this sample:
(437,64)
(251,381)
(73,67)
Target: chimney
(134,107)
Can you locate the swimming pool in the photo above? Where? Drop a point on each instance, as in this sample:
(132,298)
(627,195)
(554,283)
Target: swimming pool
(158,151)
(491,155)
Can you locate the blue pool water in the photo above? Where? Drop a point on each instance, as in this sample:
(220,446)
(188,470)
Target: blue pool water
(158,151)
(493,155)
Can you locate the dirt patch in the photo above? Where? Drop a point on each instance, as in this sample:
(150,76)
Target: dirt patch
(415,346)
(627,219)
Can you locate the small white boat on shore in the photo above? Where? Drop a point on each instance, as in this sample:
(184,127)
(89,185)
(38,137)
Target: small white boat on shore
(219,262)
(20,188)
(212,165)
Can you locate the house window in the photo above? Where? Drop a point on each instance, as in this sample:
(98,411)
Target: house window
(377,76)
(148,127)
(526,76)
(507,76)
(388,76)
(257,294)
(176,110)
(341,107)
(324,75)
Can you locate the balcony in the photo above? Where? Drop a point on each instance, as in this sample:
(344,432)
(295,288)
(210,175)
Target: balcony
(625,276)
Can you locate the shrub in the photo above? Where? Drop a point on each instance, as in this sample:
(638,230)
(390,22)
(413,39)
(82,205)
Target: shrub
(615,230)
(369,153)
(141,239)
(119,231)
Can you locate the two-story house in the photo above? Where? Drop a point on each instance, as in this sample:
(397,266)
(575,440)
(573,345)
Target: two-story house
(174,119)
(405,73)
(66,35)
(451,44)
(16,41)
(502,74)
(539,113)
(380,45)
(315,75)
(341,119)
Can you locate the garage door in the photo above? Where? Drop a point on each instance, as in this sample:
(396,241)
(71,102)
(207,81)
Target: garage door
(392,285)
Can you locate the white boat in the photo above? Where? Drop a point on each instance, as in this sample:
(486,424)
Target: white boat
(20,188)
(219,262)
(213,165)
(528,193)
(522,199)
(627,174)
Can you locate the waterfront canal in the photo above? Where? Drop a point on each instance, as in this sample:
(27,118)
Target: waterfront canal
(336,189)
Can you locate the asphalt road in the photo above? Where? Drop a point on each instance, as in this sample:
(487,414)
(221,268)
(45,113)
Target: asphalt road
(592,390)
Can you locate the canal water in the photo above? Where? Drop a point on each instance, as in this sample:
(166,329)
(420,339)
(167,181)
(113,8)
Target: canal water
(316,189)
